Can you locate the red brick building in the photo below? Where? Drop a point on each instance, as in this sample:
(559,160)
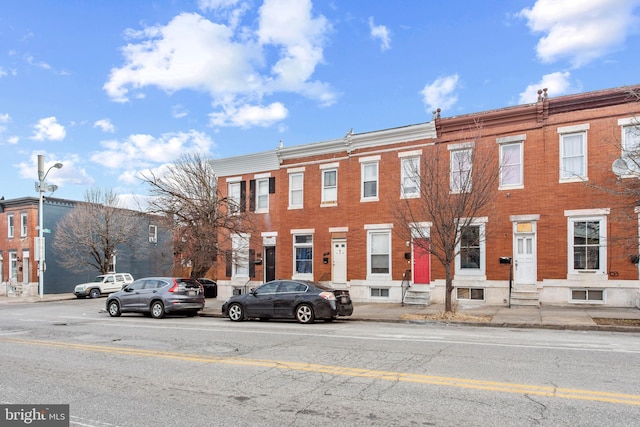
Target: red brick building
(324,212)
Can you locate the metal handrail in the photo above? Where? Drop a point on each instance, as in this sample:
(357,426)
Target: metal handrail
(406,278)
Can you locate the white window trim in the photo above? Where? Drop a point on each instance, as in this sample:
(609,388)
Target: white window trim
(302,232)
(11,226)
(415,195)
(503,142)
(243,237)
(258,181)
(378,229)
(323,202)
(625,123)
(24,228)
(474,273)
(572,130)
(470,288)
(295,172)
(587,215)
(153,238)
(466,147)
(234,209)
(367,161)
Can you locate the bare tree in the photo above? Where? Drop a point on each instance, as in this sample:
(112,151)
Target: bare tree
(455,188)
(88,237)
(187,192)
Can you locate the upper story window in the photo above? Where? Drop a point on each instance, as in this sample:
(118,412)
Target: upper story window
(631,143)
(369,178)
(511,161)
(587,237)
(329,184)
(236,196)
(471,251)
(153,234)
(10,228)
(573,153)
(409,175)
(296,188)
(262,195)
(460,167)
(23,225)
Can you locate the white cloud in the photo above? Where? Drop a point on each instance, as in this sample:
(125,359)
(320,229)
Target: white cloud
(48,129)
(556,84)
(40,64)
(580,31)
(140,151)
(235,64)
(250,115)
(13,140)
(105,125)
(381,33)
(5,118)
(216,4)
(72,171)
(441,93)
(178,111)
(3,73)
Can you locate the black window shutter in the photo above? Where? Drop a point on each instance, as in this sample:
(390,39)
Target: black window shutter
(252,195)
(252,264)
(228,260)
(243,196)
(272,185)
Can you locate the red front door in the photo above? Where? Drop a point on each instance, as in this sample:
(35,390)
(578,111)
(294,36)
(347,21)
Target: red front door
(421,262)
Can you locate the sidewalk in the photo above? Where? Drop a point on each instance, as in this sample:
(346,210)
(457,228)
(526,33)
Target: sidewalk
(549,317)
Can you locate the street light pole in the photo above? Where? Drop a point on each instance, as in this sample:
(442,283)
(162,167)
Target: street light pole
(42,187)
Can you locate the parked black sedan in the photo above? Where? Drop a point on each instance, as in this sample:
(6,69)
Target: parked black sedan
(289,299)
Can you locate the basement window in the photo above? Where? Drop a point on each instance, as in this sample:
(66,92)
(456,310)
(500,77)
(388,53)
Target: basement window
(476,294)
(380,292)
(587,295)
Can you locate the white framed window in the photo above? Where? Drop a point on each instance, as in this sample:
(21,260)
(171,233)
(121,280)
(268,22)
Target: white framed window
(13,266)
(631,143)
(262,195)
(10,227)
(240,255)
(587,295)
(573,153)
(475,294)
(234,197)
(296,190)
(23,225)
(378,251)
(369,178)
(330,186)
(379,292)
(511,165)
(461,167)
(587,236)
(153,234)
(303,256)
(471,250)
(410,177)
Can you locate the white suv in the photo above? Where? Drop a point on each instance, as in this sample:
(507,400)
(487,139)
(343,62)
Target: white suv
(103,284)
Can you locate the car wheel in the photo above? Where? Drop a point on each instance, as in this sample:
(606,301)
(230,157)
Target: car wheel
(236,312)
(304,313)
(157,310)
(94,293)
(113,308)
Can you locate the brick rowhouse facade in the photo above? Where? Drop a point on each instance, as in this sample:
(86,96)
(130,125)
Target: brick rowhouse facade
(323,210)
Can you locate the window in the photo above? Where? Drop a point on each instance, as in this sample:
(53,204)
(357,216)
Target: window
(235,192)
(460,180)
(471,250)
(153,234)
(262,195)
(631,146)
(369,178)
(379,248)
(23,225)
(511,165)
(330,186)
(380,292)
(303,255)
(573,153)
(296,190)
(240,255)
(13,266)
(470,294)
(587,244)
(10,225)
(410,177)
(581,295)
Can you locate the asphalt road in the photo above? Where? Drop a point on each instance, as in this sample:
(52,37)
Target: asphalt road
(178,371)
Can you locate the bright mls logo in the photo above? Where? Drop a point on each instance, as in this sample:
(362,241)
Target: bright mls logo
(34,415)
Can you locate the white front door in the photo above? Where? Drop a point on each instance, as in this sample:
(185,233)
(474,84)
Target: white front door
(339,261)
(524,264)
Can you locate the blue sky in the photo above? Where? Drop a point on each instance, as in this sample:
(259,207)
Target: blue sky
(111,88)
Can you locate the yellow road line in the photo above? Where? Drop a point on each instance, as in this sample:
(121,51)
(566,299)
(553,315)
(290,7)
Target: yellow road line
(548,391)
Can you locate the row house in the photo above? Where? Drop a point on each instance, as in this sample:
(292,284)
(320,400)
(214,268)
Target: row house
(19,259)
(558,228)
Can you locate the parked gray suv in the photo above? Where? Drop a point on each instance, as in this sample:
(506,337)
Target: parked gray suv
(157,296)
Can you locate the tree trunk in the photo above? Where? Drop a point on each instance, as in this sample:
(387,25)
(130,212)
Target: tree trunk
(448,287)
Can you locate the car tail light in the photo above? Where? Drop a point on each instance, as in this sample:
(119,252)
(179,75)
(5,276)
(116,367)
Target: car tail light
(175,287)
(328,296)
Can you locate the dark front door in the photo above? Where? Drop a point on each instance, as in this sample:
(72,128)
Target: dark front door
(269,263)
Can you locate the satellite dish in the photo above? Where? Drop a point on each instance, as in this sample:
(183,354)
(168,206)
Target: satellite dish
(620,167)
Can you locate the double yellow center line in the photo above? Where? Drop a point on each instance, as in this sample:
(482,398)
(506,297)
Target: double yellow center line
(525,389)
